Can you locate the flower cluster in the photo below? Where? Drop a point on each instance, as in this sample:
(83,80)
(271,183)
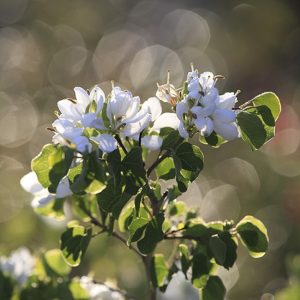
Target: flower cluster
(203,109)
(92,119)
(19,265)
(98,291)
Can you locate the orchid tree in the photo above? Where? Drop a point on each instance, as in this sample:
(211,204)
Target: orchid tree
(110,155)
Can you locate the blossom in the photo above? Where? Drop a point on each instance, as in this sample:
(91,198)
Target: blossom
(179,288)
(76,115)
(19,265)
(124,113)
(99,291)
(41,195)
(204,109)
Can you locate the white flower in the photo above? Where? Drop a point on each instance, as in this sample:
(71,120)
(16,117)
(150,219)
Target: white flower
(41,195)
(107,143)
(19,265)
(99,291)
(82,144)
(124,113)
(167,93)
(179,288)
(166,120)
(75,110)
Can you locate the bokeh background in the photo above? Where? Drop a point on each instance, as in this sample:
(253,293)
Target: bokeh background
(48,47)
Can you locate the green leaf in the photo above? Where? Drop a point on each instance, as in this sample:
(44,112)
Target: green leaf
(85,206)
(51,165)
(152,235)
(78,292)
(171,140)
(54,209)
(252,129)
(125,217)
(133,162)
(184,257)
(114,165)
(196,228)
(253,235)
(218,249)
(136,229)
(166,169)
(230,250)
(6,287)
(269,100)
(54,263)
(177,208)
(200,269)
(213,140)
(214,289)
(190,156)
(159,270)
(74,243)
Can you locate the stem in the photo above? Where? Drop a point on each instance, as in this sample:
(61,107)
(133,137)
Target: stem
(116,235)
(120,143)
(157,162)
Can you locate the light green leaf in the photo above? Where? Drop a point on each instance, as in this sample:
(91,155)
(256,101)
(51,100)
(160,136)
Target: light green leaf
(269,100)
(166,169)
(54,263)
(159,270)
(51,165)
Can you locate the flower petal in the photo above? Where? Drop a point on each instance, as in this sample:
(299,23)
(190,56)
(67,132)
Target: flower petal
(152,142)
(227,101)
(224,115)
(30,183)
(42,199)
(82,97)
(182,131)
(181,108)
(107,143)
(98,96)
(131,129)
(228,131)
(166,120)
(63,189)
(153,107)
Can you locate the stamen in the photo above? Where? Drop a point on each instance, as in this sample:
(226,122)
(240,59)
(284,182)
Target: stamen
(192,66)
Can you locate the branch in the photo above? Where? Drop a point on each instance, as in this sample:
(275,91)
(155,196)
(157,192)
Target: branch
(114,234)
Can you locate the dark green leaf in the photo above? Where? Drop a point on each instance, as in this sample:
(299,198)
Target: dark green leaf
(166,169)
(253,235)
(214,289)
(74,243)
(171,140)
(252,129)
(133,162)
(153,234)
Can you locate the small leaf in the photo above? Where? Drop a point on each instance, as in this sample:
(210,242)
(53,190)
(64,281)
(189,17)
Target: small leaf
(214,289)
(136,229)
(51,165)
(74,243)
(54,263)
(252,129)
(166,169)
(173,138)
(133,161)
(153,234)
(253,235)
(190,156)
(184,257)
(200,269)
(177,208)
(196,228)
(159,270)
(218,248)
